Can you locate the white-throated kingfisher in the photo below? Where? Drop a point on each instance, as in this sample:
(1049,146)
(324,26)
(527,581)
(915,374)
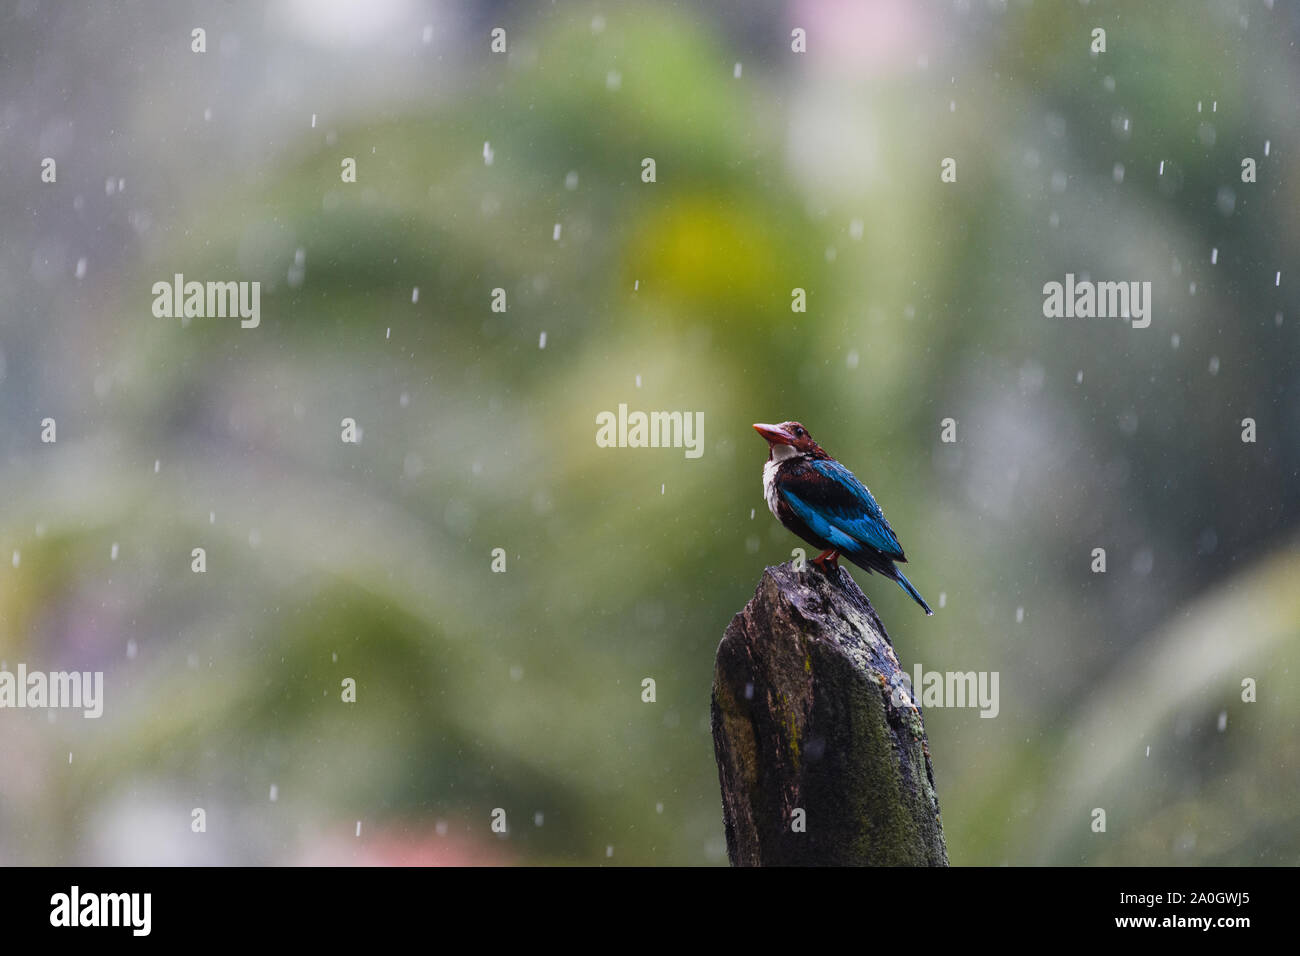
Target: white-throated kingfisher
(823,502)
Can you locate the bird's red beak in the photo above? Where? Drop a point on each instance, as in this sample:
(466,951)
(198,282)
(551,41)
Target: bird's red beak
(775,434)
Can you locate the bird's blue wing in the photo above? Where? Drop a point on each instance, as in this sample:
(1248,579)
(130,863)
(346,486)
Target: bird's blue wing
(836,506)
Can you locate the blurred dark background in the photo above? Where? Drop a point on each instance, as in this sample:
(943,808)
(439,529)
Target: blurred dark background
(774,170)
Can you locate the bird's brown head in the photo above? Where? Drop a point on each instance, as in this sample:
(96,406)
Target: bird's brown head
(789,439)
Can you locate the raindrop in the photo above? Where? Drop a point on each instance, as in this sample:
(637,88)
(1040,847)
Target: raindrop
(297,271)
(1226,200)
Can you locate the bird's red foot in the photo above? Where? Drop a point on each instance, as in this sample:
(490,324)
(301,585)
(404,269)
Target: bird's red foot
(826,560)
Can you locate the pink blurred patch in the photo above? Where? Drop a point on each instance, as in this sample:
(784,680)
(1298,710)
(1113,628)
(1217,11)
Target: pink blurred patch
(401,846)
(882,36)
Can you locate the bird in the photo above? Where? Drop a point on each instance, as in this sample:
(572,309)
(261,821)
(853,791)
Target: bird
(821,501)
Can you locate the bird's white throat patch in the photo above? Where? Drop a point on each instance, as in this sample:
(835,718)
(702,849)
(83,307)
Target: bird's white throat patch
(769,475)
(769,485)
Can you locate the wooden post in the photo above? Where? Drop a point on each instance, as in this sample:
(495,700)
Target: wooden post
(822,753)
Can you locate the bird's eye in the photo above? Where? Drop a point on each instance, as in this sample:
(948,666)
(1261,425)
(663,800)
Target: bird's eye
(798,433)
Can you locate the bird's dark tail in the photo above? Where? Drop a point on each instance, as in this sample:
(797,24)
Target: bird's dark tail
(906,585)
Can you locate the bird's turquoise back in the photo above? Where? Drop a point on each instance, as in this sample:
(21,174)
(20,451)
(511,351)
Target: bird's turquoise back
(849,518)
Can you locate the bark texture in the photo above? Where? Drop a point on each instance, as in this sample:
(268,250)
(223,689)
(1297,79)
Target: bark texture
(811,712)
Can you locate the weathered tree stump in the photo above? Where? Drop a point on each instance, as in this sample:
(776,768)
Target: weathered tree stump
(810,713)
